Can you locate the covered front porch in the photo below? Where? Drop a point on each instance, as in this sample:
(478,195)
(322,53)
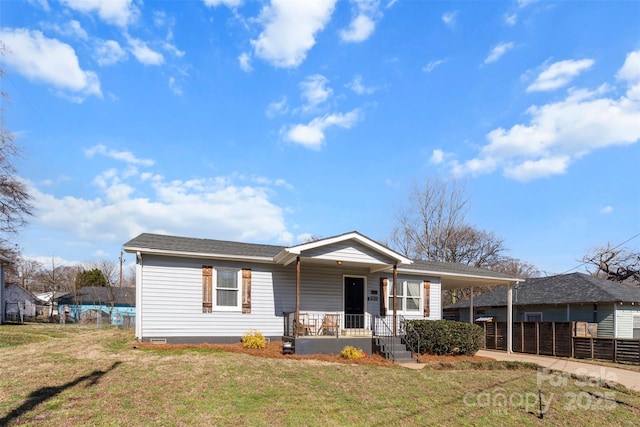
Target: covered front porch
(329,333)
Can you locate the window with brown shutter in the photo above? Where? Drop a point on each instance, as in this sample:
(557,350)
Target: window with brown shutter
(427,300)
(384,282)
(246,290)
(207,288)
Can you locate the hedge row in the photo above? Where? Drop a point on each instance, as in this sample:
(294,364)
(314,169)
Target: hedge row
(442,337)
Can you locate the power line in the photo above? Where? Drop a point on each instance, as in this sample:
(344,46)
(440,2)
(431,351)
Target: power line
(615,247)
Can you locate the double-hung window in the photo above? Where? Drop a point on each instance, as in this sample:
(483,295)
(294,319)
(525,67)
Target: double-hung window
(227,295)
(408,296)
(221,289)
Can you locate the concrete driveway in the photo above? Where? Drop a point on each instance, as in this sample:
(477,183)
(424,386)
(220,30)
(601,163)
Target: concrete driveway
(625,377)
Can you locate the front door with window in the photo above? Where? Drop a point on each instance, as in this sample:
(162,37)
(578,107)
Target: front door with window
(354,302)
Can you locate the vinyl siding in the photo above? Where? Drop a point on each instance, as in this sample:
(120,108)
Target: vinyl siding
(624,320)
(170,297)
(348,251)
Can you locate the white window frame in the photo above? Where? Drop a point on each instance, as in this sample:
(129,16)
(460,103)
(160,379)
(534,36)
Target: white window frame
(402,296)
(534,314)
(635,323)
(238,290)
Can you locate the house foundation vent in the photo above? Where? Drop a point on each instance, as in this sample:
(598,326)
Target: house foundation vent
(158,340)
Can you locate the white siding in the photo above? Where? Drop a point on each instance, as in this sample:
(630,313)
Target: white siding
(169,297)
(347,251)
(624,320)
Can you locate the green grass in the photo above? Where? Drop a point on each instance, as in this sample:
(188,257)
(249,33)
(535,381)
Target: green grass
(89,376)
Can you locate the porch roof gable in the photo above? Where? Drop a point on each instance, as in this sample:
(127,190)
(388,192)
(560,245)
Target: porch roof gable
(332,248)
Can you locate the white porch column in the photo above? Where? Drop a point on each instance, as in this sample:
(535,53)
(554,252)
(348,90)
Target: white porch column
(471,307)
(510,318)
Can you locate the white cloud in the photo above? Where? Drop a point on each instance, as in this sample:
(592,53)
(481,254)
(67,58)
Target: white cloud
(314,91)
(559,74)
(525,3)
(432,65)
(289,30)
(109,52)
(359,30)
(358,87)
(117,12)
(123,156)
(363,24)
(143,53)
(234,208)
(511,19)
(49,61)
(312,134)
(229,3)
(449,18)
(244,59)
(560,133)
(497,52)
(606,210)
(277,108)
(174,86)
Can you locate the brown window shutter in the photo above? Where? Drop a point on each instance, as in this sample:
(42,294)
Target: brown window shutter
(246,290)
(427,302)
(384,282)
(207,288)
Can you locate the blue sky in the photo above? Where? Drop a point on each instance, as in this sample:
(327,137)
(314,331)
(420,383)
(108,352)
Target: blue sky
(272,121)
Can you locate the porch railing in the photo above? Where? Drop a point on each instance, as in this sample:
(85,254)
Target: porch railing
(387,340)
(327,324)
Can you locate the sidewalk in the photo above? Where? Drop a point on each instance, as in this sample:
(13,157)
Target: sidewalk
(627,378)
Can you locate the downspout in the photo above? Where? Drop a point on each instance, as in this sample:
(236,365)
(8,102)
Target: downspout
(297,316)
(395,287)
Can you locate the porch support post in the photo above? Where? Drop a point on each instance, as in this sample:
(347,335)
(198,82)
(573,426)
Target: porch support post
(297,297)
(510,318)
(395,288)
(471,307)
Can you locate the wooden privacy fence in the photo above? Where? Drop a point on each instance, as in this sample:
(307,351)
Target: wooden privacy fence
(558,339)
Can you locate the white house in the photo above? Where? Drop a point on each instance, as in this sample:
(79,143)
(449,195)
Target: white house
(341,287)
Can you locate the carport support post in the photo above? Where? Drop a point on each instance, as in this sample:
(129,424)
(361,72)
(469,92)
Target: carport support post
(395,288)
(510,318)
(297,297)
(471,307)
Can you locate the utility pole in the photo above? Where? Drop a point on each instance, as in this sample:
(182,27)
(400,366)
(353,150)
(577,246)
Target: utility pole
(120,268)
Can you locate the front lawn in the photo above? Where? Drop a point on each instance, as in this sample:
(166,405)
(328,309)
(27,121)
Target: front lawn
(76,375)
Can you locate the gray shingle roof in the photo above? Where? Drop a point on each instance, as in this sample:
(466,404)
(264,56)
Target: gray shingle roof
(560,289)
(200,246)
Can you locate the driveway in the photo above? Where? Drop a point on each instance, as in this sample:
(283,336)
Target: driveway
(625,377)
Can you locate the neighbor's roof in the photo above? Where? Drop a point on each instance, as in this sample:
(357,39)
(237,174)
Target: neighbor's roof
(101,295)
(560,289)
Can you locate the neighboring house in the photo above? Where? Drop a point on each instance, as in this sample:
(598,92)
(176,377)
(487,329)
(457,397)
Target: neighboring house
(568,297)
(109,305)
(48,303)
(4,261)
(20,304)
(201,290)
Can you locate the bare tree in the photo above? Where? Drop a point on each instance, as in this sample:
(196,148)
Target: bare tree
(110,270)
(615,264)
(434,215)
(516,268)
(433,227)
(15,204)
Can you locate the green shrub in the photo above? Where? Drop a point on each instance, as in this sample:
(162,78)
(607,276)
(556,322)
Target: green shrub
(351,353)
(254,339)
(443,337)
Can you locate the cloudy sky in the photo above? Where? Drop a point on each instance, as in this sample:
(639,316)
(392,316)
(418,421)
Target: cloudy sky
(271,121)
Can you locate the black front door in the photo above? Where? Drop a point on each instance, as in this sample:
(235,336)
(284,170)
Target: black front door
(354,302)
